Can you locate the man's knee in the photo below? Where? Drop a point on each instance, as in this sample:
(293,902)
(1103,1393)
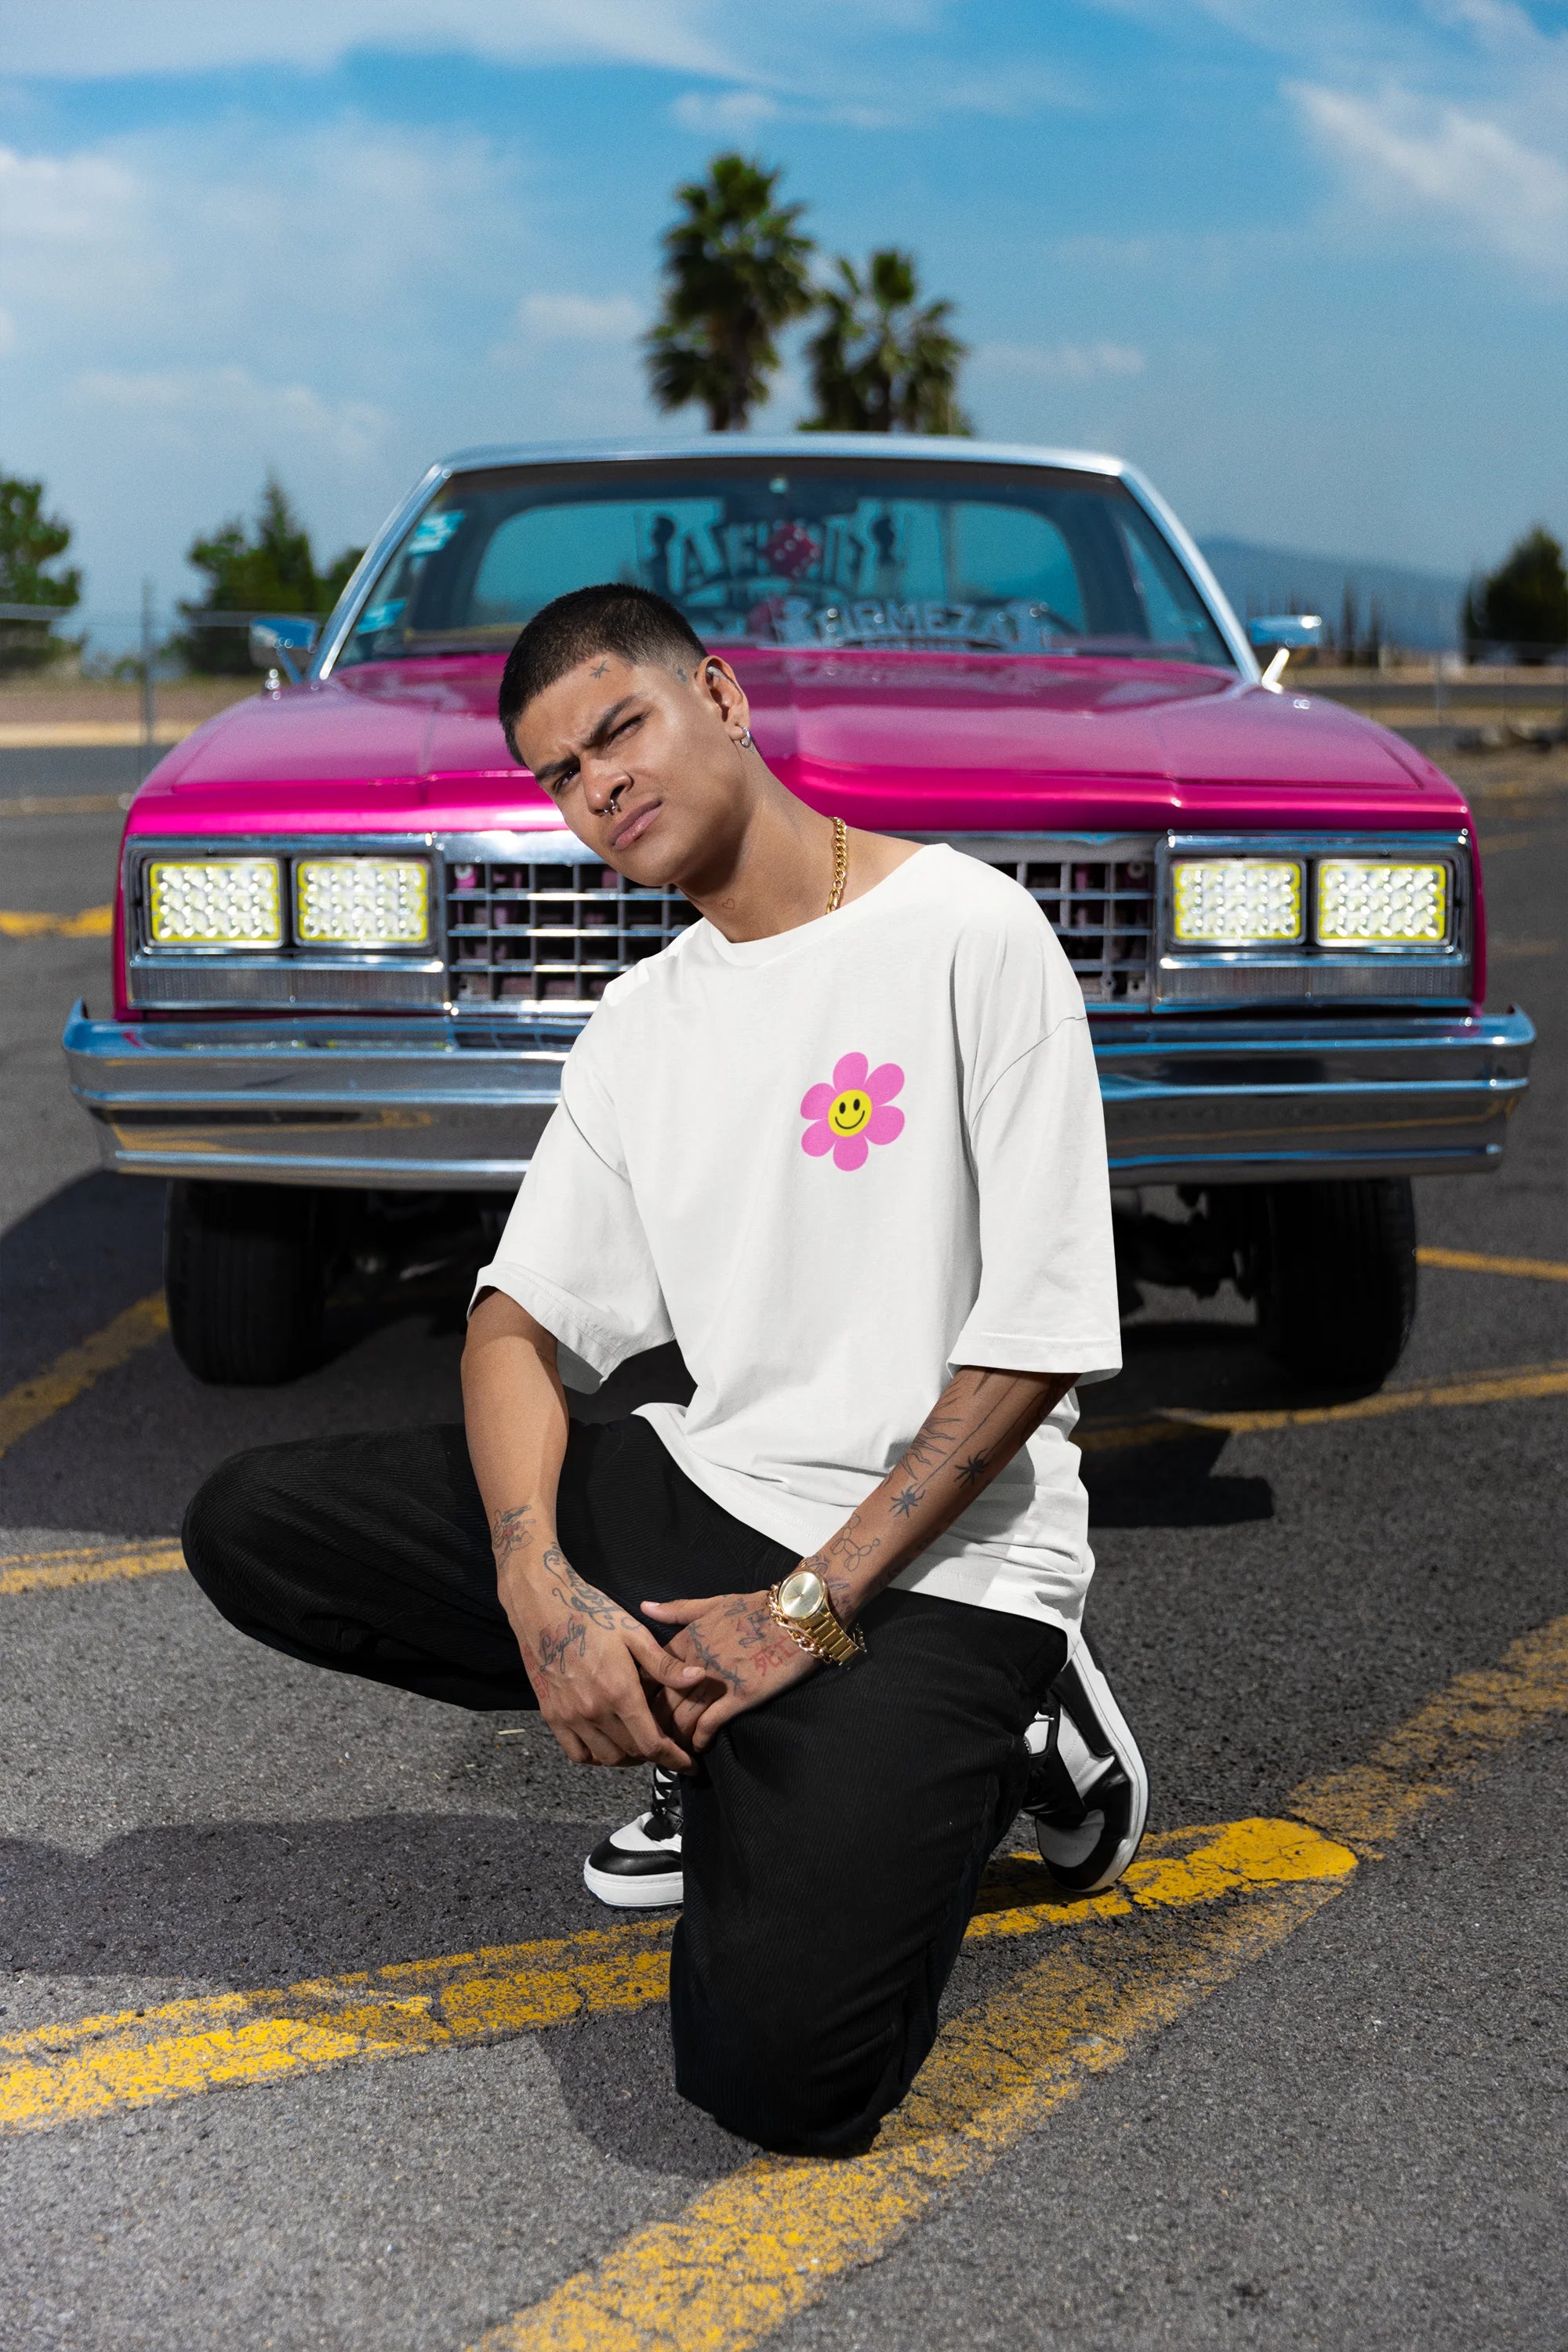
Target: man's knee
(771,2055)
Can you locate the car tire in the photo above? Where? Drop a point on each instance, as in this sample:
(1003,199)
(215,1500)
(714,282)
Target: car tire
(1336,1291)
(245,1276)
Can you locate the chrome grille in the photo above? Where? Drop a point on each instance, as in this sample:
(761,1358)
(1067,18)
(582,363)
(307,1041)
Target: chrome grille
(536,933)
(522,933)
(1099,899)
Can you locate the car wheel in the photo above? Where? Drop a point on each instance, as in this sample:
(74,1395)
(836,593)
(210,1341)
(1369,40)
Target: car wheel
(245,1274)
(1336,1294)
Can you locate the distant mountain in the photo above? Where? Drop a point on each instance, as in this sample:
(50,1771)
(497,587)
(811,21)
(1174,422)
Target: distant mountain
(1419,609)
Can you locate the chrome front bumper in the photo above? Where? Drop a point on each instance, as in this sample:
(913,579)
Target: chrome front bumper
(403,1103)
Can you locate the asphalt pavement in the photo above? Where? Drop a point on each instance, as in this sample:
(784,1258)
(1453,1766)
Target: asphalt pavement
(1318,2100)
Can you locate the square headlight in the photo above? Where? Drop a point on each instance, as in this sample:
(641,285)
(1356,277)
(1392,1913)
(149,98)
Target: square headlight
(1238,902)
(1372,902)
(230,902)
(361,902)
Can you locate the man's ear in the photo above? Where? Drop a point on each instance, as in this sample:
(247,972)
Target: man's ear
(724,688)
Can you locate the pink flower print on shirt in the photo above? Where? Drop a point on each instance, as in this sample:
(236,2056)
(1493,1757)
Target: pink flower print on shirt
(852,1110)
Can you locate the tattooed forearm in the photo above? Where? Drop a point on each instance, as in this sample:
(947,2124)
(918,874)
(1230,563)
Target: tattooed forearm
(511,1531)
(938,1433)
(972,1433)
(843,1562)
(513,1535)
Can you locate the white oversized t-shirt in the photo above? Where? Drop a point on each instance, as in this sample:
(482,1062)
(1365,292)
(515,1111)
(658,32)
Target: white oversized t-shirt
(834,1164)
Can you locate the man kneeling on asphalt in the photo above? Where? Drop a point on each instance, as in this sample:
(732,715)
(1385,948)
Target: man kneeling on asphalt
(841,1141)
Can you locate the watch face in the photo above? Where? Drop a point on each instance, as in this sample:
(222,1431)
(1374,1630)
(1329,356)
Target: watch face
(802,1594)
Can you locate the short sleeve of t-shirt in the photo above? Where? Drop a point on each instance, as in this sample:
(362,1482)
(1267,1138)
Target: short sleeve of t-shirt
(1048,1295)
(573,1251)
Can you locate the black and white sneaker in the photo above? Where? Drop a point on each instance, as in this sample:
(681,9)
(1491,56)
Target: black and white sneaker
(638,1865)
(1087,1792)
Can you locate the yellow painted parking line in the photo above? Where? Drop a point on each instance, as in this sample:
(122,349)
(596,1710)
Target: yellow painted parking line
(62,2074)
(135,2059)
(54,1571)
(1444,1743)
(1518,1384)
(66,804)
(31,1402)
(750,2252)
(89,734)
(1534,1269)
(93,923)
(1506,951)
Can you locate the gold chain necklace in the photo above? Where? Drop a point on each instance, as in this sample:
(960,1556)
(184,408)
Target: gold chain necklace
(840,865)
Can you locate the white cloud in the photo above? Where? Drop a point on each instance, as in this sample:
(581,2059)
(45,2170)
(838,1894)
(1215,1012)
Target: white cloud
(1441,165)
(92,39)
(1062,363)
(186,408)
(723,114)
(579,318)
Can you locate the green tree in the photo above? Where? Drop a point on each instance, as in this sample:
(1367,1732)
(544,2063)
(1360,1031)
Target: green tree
(1524,603)
(736,271)
(30,541)
(268,568)
(882,361)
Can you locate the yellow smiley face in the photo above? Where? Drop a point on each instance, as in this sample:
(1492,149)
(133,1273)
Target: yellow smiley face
(849,1111)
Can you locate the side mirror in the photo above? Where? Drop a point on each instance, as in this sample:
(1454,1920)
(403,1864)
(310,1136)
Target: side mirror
(1292,630)
(283,641)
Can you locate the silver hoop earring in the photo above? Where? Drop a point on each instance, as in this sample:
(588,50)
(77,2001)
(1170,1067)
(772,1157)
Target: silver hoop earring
(745,739)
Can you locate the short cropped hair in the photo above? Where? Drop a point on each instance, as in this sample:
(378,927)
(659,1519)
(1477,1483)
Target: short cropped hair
(612,618)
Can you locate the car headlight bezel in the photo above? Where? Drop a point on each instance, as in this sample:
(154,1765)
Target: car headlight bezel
(1324,964)
(292,938)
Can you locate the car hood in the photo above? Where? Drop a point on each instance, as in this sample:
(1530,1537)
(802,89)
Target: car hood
(905,741)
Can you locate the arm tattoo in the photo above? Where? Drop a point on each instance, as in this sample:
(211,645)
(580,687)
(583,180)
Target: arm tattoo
(511,1531)
(935,1439)
(970,1473)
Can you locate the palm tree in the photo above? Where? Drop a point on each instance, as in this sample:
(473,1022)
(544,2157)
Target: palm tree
(879,363)
(736,271)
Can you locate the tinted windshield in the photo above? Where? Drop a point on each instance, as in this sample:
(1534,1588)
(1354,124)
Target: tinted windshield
(798,554)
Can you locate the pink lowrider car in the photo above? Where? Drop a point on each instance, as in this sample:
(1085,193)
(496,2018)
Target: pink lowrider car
(353,943)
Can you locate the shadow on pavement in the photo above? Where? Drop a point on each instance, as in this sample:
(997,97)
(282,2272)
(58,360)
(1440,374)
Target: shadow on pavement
(1172,1484)
(72,1263)
(242,1903)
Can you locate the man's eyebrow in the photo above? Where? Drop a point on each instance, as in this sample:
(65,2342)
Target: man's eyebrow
(594,741)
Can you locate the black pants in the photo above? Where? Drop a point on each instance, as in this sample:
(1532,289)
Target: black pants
(833,1838)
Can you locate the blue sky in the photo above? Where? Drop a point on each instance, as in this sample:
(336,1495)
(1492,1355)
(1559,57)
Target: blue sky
(1308,265)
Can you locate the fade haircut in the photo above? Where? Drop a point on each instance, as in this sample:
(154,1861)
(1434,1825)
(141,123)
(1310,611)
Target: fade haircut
(609,619)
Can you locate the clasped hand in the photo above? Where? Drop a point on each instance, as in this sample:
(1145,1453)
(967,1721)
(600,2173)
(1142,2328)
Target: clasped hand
(613,1695)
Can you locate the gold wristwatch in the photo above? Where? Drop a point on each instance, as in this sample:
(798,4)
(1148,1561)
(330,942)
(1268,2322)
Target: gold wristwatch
(799,1603)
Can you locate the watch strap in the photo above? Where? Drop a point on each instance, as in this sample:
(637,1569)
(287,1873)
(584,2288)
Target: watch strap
(823,1634)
